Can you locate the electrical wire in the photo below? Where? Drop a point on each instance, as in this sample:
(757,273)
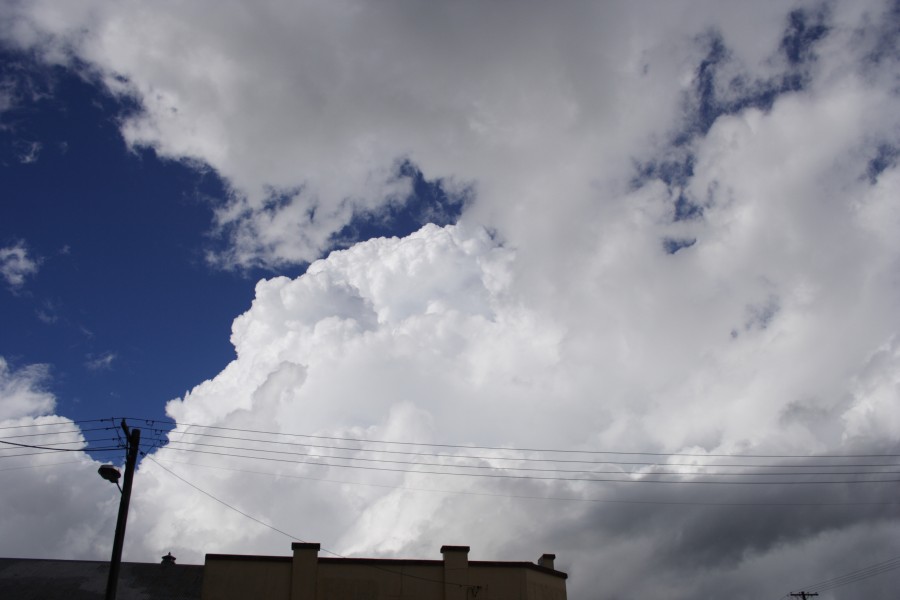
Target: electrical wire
(293,537)
(540,478)
(531,469)
(527,497)
(54,450)
(66,422)
(544,450)
(79,431)
(58,449)
(521,459)
(222,502)
(854,576)
(43,444)
(329,461)
(65,462)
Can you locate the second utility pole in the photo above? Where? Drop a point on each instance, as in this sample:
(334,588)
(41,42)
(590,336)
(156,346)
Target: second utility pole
(133,438)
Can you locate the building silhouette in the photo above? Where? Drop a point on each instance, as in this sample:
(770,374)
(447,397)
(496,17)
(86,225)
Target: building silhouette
(41,579)
(302,576)
(307,576)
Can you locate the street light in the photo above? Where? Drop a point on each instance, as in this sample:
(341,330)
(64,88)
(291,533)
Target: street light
(111,474)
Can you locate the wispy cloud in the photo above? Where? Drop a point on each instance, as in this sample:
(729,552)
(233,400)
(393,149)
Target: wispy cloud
(29,152)
(100,363)
(48,312)
(16,264)
(8,94)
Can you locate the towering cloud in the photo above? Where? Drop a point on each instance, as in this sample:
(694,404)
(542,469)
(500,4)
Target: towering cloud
(679,237)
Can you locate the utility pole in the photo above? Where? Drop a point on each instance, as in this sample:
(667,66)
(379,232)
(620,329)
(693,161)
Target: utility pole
(133,439)
(804,595)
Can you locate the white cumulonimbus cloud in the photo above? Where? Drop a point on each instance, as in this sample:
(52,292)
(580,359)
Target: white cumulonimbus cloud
(682,239)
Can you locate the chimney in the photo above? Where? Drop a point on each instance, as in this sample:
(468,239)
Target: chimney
(168,559)
(456,557)
(456,572)
(546,561)
(304,570)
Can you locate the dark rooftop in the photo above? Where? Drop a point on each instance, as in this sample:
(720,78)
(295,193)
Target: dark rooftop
(38,579)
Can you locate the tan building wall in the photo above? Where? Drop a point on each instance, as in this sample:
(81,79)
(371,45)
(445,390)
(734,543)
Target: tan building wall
(306,576)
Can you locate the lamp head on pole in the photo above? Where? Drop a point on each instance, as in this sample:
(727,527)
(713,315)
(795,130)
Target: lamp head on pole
(110,473)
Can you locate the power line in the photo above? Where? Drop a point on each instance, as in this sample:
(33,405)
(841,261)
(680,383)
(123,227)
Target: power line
(39,465)
(643,477)
(527,497)
(545,450)
(293,537)
(44,444)
(66,422)
(76,431)
(75,441)
(854,576)
(522,459)
(58,449)
(532,469)
(540,478)
(222,502)
(54,450)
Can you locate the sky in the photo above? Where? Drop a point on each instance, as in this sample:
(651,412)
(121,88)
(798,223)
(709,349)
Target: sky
(615,281)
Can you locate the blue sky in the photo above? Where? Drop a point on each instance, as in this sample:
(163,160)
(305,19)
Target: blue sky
(119,236)
(125,308)
(658,236)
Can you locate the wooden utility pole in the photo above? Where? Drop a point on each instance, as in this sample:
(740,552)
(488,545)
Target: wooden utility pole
(133,438)
(804,595)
